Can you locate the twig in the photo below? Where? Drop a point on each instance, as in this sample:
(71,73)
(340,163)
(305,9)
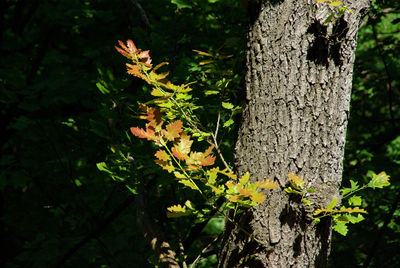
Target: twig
(142,15)
(203,251)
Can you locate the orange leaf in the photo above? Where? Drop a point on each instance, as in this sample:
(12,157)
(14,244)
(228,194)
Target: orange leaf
(134,70)
(246,192)
(209,150)
(266,184)
(208,161)
(145,57)
(230,184)
(141,133)
(182,147)
(127,51)
(173,130)
(162,155)
(234,198)
(154,116)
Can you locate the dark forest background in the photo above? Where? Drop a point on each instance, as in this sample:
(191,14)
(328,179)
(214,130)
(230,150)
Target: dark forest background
(67,103)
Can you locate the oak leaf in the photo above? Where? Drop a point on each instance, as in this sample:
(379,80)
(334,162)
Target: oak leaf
(234,198)
(177,211)
(154,116)
(258,197)
(297,180)
(148,134)
(162,155)
(166,165)
(173,130)
(246,192)
(189,184)
(127,51)
(182,147)
(266,184)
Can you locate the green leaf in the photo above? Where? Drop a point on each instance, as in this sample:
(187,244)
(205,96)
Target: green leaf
(342,218)
(354,186)
(228,123)
(230,205)
(189,205)
(290,190)
(132,190)
(329,19)
(306,201)
(333,203)
(78,183)
(227,105)
(102,166)
(181,4)
(379,181)
(355,200)
(355,219)
(211,92)
(341,228)
(102,89)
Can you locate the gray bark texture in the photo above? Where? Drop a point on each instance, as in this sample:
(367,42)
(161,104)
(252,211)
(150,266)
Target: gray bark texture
(298,87)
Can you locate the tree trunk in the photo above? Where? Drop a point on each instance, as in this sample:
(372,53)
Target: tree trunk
(298,87)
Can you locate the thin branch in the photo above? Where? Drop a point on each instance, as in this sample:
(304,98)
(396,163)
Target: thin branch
(217,125)
(203,252)
(215,142)
(142,15)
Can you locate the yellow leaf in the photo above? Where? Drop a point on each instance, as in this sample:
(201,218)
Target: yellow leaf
(266,184)
(189,184)
(245,178)
(166,165)
(176,208)
(212,175)
(228,173)
(156,92)
(202,53)
(162,155)
(160,65)
(352,210)
(233,198)
(218,190)
(206,62)
(297,180)
(335,3)
(179,175)
(177,211)
(257,197)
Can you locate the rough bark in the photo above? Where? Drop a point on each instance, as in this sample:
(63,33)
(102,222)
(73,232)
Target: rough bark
(298,87)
